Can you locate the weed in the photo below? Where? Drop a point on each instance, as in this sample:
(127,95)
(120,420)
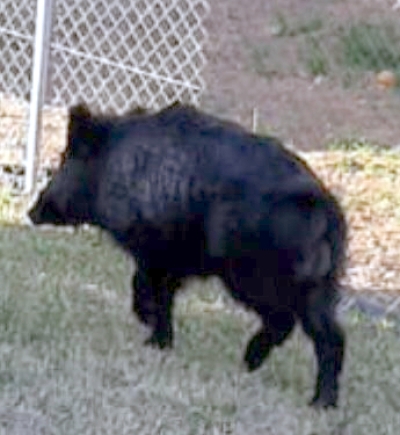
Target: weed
(259,60)
(315,57)
(299,26)
(12,207)
(370,47)
(353,144)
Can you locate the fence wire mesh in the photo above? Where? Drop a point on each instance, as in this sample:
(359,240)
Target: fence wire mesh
(17,25)
(113,55)
(120,53)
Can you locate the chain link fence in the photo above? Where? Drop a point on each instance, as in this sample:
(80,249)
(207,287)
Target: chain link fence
(17,26)
(113,55)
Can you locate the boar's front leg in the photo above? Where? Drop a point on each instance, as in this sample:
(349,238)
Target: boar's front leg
(277,325)
(162,335)
(143,301)
(162,295)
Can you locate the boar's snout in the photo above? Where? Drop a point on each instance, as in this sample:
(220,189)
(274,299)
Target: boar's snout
(35,213)
(35,216)
(44,212)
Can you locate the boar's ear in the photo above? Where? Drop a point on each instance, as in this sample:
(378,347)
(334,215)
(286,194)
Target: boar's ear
(84,132)
(175,104)
(79,111)
(139,110)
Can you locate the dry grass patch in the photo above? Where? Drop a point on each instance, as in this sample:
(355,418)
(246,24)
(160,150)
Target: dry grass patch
(368,183)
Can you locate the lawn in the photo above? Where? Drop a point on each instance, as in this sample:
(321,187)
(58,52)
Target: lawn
(72,360)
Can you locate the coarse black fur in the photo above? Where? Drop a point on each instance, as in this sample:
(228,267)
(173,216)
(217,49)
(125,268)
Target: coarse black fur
(186,193)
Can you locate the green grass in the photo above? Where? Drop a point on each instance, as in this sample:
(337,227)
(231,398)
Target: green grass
(315,56)
(291,27)
(325,46)
(371,47)
(72,358)
(357,144)
(346,51)
(274,59)
(351,49)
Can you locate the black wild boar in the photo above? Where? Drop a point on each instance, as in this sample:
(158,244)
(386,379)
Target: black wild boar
(188,194)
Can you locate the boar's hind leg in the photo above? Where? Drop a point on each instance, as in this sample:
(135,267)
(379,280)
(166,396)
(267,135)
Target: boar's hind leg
(277,325)
(318,320)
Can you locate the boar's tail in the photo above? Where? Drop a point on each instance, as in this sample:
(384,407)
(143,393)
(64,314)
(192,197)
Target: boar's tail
(336,235)
(312,195)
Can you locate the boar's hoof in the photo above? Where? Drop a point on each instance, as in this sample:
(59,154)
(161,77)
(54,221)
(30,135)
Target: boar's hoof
(323,402)
(146,318)
(161,341)
(257,351)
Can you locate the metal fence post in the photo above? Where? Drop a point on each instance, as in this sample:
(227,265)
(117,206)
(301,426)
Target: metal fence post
(39,77)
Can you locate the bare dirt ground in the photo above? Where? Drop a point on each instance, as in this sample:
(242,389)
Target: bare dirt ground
(303,109)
